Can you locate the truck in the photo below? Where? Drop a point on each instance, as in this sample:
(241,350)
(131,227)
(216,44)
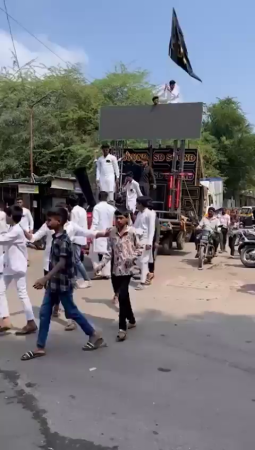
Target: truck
(190,196)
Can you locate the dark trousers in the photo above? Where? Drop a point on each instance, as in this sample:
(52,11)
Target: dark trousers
(121,284)
(152,264)
(223,238)
(71,311)
(231,243)
(215,241)
(145,189)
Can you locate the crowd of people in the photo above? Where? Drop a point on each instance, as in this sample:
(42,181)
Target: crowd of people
(223,225)
(122,246)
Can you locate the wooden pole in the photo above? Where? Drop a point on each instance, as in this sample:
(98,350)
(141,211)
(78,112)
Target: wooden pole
(31,143)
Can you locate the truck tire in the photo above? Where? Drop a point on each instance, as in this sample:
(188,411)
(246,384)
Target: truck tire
(180,240)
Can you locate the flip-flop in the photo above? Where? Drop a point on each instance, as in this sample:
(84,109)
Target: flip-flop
(31,355)
(90,346)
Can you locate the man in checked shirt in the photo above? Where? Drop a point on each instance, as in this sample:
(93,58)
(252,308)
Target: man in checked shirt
(123,250)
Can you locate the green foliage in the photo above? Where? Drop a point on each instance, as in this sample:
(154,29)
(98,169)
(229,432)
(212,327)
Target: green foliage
(66,115)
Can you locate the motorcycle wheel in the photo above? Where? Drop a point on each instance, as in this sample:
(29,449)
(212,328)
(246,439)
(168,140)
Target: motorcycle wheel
(201,257)
(245,258)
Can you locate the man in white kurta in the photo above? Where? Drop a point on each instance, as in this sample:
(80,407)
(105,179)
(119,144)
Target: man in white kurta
(168,93)
(107,174)
(27,221)
(103,216)
(145,228)
(133,191)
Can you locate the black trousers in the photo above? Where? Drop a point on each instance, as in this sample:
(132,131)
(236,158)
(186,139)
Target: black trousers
(231,243)
(223,238)
(121,285)
(145,189)
(152,264)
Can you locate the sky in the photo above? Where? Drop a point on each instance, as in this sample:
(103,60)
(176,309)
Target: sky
(220,38)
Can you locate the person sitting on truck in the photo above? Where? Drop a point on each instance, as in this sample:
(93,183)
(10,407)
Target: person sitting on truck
(209,223)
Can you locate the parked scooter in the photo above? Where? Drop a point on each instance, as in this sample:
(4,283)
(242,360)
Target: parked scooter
(247,253)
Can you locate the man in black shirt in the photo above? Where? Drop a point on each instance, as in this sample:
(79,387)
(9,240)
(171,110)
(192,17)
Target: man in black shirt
(147,179)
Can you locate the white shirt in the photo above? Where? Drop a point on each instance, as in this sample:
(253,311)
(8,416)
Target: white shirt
(15,256)
(107,168)
(103,215)
(79,216)
(133,191)
(209,223)
(44,231)
(145,226)
(73,230)
(224,220)
(3,224)
(27,221)
(165,95)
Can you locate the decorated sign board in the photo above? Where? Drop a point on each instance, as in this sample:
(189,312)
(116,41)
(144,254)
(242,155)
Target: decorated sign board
(161,162)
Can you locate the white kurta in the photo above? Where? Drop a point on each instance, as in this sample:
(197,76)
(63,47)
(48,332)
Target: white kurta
(145,226)
(133,191)
(103,216)
(27,221)
(107,170)
(79,216)
(166,95)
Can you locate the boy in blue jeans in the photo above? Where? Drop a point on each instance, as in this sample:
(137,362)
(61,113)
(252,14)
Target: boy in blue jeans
(59,283)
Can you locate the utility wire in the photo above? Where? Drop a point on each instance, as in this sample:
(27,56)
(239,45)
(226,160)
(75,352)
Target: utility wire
(31,34)
(10,30)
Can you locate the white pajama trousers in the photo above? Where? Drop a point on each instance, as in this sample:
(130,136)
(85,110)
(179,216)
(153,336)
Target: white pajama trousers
(21,285)
(143,264)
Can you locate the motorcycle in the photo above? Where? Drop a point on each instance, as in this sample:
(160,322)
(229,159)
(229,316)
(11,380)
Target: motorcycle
(206,250)
(244,235)
(247,253)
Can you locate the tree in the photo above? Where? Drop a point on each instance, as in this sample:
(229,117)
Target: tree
(234,143)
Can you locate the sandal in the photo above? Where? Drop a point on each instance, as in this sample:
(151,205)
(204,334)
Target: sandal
(32,355)
(140,287)
(70,326)
(121,336)
(5,329)
(26,330)
(91,346)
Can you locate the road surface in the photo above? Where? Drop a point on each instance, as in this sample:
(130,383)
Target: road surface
(184,379)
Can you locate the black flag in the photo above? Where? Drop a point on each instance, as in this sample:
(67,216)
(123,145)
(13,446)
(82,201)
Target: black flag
(177,48)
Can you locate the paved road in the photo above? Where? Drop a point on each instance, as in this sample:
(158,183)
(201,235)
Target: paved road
(184,379)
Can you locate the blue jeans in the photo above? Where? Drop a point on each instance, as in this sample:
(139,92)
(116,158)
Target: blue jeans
(71,312)
(80,269)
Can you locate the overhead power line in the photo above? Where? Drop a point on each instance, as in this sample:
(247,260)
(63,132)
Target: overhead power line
(31,34)
(10,30)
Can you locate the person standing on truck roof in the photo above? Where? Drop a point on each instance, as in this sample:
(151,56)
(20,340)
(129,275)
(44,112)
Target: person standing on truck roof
(107,174)
(173,92)
(147,179)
